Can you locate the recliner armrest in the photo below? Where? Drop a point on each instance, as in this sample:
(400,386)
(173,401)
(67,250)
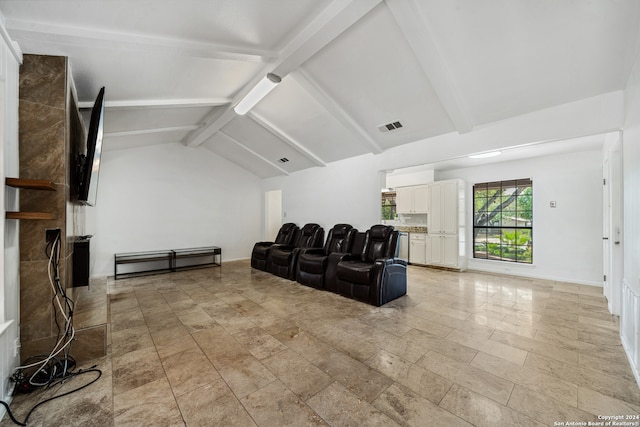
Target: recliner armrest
(312,251)
(391,281)
(391,261)
(283,247)
(330,277)
(346,256)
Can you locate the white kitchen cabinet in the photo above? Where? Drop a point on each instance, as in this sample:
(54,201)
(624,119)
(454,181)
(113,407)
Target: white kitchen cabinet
(443,198)
(412,199)
(445,245)
(442,250)
(417,251)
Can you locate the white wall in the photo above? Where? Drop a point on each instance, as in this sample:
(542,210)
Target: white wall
(342,192)
(169,197)
(567,239)
(630,318)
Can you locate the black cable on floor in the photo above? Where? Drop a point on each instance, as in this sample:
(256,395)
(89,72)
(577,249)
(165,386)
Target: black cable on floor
(70,375)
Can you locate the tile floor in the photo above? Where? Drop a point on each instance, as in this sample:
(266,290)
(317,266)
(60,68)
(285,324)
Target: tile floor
(242,347)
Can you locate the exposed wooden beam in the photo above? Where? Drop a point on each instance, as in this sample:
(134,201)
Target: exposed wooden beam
(311,86)
(250,151)
(416,30)
(329,24)
(286,138)
(73,36)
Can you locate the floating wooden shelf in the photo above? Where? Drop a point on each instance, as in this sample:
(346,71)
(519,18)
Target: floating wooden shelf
(30,184)
(29,215)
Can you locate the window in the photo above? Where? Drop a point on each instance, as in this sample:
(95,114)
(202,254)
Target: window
(503,221)
(389,205)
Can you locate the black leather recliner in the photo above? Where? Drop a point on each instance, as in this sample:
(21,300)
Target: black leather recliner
(260,253)
(312,263)
(376,276)
(282,259)
(357,246)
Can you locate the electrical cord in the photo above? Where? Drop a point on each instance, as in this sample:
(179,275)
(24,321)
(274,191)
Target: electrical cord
(64,340)
(70,375)
(49,370)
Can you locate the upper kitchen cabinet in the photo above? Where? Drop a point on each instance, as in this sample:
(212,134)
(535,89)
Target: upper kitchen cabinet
(411,200)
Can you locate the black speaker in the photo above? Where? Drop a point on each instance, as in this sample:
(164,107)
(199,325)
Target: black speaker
(81,261)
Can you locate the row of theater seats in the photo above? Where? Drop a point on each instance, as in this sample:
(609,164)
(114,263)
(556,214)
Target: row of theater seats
(358,265)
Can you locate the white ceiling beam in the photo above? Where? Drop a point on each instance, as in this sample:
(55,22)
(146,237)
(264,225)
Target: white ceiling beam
(75,36)
(270,127)
(311,86)
(416,30)
(220,119)
(329,24)
(152,130)
(253,153)
(160,103)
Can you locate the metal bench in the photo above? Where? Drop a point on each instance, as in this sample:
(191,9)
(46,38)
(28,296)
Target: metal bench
(152,262)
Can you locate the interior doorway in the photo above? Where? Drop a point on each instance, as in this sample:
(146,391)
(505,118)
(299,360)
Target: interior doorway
(273,214)
(612,222)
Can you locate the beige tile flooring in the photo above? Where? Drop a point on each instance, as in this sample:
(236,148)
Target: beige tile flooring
(242,347)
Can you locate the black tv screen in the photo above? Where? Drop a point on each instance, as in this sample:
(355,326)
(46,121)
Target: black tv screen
(89,164)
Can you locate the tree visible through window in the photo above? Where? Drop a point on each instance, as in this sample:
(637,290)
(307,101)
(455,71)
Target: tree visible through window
(389,205)
(503,220)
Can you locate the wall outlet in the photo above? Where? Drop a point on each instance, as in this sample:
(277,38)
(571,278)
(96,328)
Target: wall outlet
(51,234)
(16,347)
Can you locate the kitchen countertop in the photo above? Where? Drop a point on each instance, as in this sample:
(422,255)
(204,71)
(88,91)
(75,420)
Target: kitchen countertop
(411,228)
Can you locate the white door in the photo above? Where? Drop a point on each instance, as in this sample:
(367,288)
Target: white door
(612,244)
(606,225)
(272,214)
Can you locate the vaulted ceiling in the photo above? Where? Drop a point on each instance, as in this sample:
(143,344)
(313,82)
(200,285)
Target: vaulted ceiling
(174,69)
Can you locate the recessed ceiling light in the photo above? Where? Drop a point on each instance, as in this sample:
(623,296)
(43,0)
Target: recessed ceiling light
(485,155)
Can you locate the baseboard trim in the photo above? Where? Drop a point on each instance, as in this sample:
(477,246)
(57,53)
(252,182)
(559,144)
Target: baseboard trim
(528,275)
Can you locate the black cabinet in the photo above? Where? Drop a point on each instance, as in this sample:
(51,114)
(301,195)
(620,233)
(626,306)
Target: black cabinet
(81,250)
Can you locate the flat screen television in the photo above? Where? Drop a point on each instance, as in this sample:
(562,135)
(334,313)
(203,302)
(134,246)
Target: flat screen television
(89,163)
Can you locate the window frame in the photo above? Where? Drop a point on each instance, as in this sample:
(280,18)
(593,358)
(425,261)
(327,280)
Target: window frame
(506,226)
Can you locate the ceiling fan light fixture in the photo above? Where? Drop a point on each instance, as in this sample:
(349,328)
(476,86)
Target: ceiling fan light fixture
(485,155)
(255,95)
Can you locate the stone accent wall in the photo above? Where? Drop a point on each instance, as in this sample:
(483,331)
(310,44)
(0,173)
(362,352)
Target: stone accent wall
(50,130)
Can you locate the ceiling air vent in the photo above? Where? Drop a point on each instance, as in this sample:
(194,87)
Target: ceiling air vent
(389,127)
(283,160)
